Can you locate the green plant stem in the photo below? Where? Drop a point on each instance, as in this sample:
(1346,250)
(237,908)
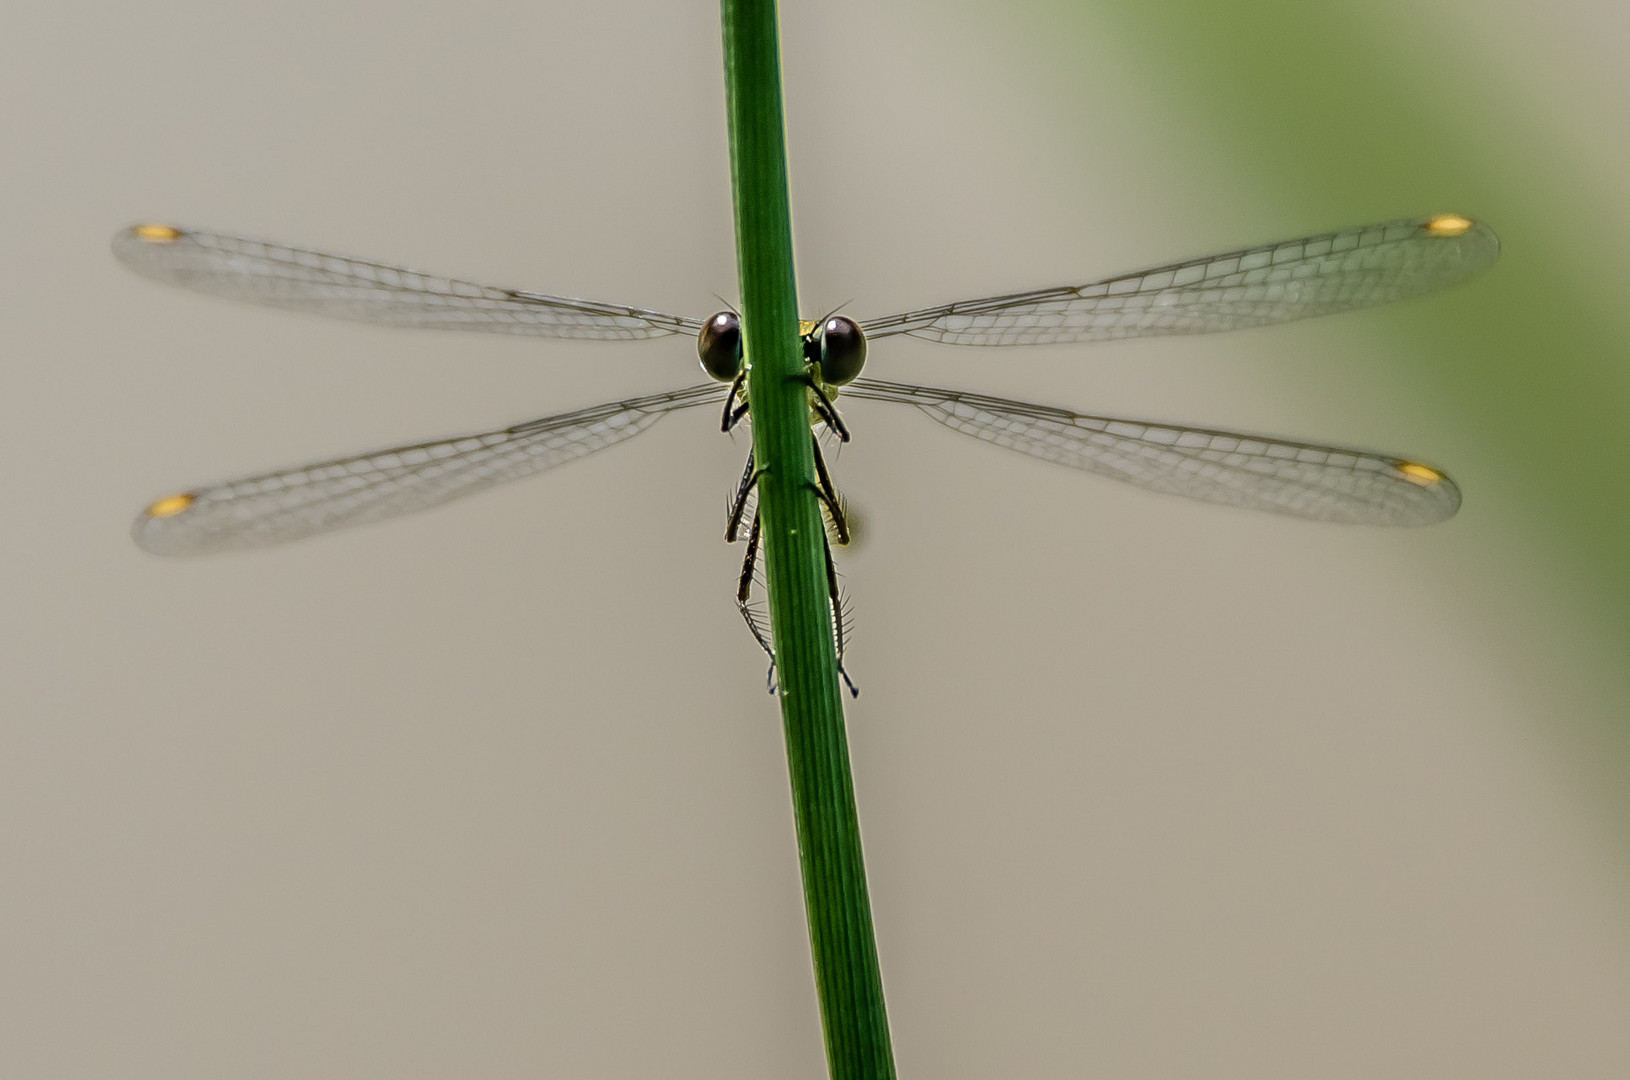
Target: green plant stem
(842,946)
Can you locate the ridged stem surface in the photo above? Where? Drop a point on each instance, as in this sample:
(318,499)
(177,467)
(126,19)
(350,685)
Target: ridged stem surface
(842,945)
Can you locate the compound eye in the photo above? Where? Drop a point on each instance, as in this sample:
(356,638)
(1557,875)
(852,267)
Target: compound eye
(843,350)
(718,346)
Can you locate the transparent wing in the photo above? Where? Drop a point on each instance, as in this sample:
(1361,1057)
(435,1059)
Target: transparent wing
(1324,483)
(1274,283)
(289,504)
(264,273)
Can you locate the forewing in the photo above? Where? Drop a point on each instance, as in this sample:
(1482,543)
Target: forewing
(265,273)
(289,504)
(1274,283)
(1323,483)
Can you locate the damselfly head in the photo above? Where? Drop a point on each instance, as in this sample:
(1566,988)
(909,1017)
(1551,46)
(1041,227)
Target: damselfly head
(718,346)
(842,349)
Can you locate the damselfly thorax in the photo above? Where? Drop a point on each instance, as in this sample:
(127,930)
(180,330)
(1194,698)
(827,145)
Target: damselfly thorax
(834,351)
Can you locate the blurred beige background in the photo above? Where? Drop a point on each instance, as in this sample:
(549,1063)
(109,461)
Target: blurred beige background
(1148,789)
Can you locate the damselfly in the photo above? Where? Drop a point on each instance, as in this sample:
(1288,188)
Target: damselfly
(1273,283)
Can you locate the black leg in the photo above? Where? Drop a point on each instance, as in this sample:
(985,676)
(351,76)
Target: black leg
(829,495)
(823,406)
(732,411)
(738,505)
(744,593)
(836,600)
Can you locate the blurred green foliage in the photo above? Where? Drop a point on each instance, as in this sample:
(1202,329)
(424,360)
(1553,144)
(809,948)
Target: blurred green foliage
(1358,112)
